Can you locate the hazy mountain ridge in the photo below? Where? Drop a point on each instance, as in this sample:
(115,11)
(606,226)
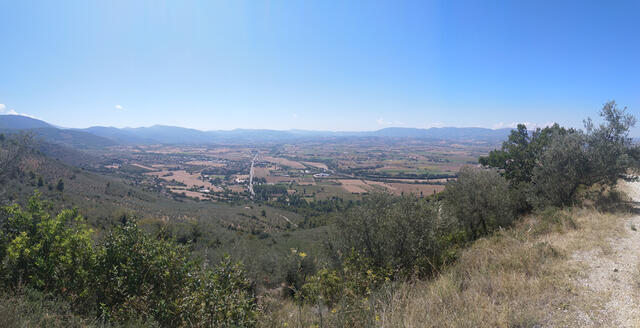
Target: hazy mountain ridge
(22,122)
(99,136)
(50,133)
(179,135)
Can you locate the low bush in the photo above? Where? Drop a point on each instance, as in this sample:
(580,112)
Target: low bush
(345,292)
(130,278)
(221,296)
(405,234)
(480,201)
(50,253)
(140,276)
(552,219)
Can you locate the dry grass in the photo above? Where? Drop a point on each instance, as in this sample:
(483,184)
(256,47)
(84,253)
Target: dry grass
(300,181)
(237,188)
(184,177)
(519,277)
(280,179)
(284,162)
(354,186)
(261,172)
(357,186)
(322,166)
(143,167)
(188,193)
(444,180)
(636,276)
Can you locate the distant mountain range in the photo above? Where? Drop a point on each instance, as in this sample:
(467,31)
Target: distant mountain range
(99,136)
(44,130)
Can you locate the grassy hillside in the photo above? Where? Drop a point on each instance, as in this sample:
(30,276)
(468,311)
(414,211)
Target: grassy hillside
(212,229)
(525,276)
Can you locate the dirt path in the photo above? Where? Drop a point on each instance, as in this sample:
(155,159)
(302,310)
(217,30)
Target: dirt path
(611,276)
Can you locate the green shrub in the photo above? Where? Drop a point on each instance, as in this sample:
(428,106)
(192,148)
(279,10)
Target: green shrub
(563,167)
(140,276)
(552,164)
(60,185)
(553,219)
(131,278)
(358,277)
(50,253)
(404,234)
(480,201)
(346,294)
(221,297)
(520,152)
(299,266)
(610,150)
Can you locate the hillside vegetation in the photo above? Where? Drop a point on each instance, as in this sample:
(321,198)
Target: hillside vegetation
(467,258)
(254,234)
(494,249)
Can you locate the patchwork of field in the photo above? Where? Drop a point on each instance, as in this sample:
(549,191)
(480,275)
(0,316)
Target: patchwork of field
(237,188)
(298,180)
(143,167)
(284,162)
(428,181)
(262,172)
(348,169)
(184,177)
(322,166)
(188,193)
(356,186)
(205,163)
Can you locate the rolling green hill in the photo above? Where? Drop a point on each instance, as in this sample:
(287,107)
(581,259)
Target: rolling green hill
(212,229)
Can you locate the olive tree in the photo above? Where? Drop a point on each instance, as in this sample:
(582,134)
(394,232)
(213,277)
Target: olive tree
(404,234)
(610,150)
(599,156)
(561,169)
(479,200)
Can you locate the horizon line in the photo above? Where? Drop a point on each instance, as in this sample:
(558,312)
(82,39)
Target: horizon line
(506,127)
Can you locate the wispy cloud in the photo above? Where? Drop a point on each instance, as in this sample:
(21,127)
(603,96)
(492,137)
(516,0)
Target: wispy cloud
(4,109)
(294,115)
(118,107)
(529,125)
(381,121)
(13,112)
(434,125)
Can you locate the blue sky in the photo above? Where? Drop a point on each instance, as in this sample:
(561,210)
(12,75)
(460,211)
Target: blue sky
(323,65)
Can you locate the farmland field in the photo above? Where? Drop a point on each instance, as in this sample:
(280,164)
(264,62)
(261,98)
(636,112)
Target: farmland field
(347,169)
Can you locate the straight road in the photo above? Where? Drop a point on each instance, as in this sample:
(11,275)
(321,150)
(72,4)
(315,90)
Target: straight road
(251,176)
